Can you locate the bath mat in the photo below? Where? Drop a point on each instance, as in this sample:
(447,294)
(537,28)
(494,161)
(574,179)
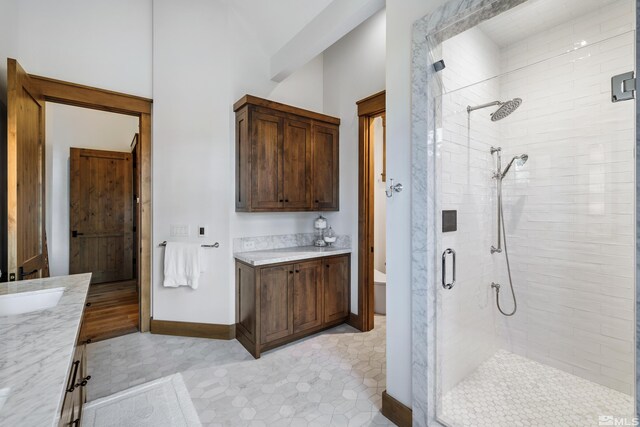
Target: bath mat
(163,402)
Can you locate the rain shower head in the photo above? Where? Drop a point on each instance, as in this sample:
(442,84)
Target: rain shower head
(505,109)
(520,161)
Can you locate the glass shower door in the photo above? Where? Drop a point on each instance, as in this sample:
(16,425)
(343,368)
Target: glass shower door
(539,129)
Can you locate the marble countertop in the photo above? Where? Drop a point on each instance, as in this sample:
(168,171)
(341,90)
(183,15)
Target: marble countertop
(36,352)
(273,256)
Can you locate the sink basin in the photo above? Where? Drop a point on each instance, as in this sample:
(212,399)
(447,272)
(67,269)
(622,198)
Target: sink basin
(26,302)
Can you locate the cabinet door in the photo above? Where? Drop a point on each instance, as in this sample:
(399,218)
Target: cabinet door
(297,164)
(325,168)
(266,161)
(336,288)
(307,296)
(276,293)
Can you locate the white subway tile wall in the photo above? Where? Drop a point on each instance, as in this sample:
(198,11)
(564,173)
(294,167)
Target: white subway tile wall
(568,211)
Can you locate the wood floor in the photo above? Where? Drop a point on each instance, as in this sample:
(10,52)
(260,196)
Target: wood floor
(112,310)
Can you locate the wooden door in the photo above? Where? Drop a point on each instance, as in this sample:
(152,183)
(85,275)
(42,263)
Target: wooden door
(297,164)
(266,160)
(325,168)
(276,292)
(26,244)
(336,288)
(101,216)
(307,296)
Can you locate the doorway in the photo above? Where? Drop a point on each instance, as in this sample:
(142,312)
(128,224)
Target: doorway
(371,200)
(90,217)
(22,123)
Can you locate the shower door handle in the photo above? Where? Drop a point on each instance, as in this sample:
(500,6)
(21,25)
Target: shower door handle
(445,284)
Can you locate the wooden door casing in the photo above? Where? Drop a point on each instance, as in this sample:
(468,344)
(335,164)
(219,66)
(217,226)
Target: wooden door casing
(336,288)
(25,176)
(276,293)
(325,168)
(101,215)
(266,158)
(307,296)
(368,109)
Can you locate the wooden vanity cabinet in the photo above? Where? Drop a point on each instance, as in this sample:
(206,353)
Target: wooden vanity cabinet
(286,158)
(279,303)
(336,289)
(75,392)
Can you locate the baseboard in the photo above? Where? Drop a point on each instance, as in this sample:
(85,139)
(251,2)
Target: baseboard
(354,321)
(396,412)
(189,329)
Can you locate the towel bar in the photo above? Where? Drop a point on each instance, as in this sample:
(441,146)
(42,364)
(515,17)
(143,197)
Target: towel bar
(215,245)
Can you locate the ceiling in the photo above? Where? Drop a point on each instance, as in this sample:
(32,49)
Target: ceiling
(276,22)
(536,16)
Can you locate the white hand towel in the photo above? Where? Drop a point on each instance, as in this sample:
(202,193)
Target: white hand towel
(182,264)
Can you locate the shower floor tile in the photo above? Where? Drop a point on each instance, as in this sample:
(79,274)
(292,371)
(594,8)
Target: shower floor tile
(511,390)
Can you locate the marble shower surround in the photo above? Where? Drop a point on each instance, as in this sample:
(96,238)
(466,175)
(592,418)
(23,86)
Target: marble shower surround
(450,19)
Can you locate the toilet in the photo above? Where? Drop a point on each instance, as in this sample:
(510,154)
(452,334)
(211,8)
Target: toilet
(379,292)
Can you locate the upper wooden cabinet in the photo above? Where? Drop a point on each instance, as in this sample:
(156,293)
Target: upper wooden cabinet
(286,158)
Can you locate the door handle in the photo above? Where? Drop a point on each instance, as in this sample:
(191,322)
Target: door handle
(445,284)
(75,233)
(23,274)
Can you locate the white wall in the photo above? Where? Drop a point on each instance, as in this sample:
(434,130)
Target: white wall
(101,44)
(570,210)
(68,127)
(400,17)
(192,177)
(379,199)
(194,144)
(354,68)
(8,40)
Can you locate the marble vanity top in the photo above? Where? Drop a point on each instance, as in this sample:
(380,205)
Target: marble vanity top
(36,351)
(273,256)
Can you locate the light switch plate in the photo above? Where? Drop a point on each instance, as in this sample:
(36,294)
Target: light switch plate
(203,230)
(178,230)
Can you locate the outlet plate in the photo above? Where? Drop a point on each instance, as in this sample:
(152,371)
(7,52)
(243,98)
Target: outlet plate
(249,245)
(178,230)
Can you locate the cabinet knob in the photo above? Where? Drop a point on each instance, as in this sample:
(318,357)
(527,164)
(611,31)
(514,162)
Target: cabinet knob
(327,265)
(281,200)
(286,200)
(317,201)
(88,304)
(291,272)
(297,271)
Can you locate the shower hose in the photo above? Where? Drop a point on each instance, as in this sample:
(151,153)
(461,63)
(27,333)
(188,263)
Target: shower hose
(506,255)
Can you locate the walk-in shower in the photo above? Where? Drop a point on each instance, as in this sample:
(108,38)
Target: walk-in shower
(536,77)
